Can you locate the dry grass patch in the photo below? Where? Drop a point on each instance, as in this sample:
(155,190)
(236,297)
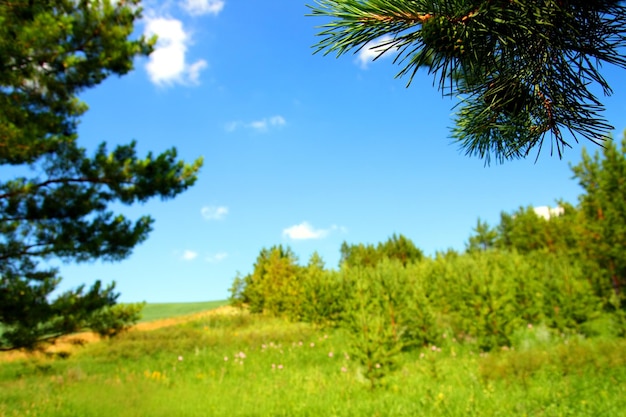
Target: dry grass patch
(66,345)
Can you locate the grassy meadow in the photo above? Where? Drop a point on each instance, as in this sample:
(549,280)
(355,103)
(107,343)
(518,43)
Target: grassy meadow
(158,311)
(237,364)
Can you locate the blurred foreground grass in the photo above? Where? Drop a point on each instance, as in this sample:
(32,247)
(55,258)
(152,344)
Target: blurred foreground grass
(243,365)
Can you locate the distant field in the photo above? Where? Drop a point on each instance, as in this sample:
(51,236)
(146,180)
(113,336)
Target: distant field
(157,311)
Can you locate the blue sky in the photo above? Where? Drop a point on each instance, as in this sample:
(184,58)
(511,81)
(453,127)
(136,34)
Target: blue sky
(300,149)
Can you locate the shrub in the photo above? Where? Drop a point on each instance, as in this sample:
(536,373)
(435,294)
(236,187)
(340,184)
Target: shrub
(384,316)
(111,321)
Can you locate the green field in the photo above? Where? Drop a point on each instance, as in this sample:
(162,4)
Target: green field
(244,365)
(157,311)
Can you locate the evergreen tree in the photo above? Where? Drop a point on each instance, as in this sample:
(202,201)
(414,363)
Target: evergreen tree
(360,254)
(484,237)
(58,204)
(603,177)
(274,286)
(401,248)
(525,231)
(324,293)
(396,247)
(522,68)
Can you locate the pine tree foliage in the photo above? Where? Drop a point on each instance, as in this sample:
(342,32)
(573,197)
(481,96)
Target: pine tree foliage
(603,205)
(274,286)
(396,247)
(483,239)
(57,205)
(523,69)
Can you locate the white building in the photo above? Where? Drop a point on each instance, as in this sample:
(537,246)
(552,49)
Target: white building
(548,212)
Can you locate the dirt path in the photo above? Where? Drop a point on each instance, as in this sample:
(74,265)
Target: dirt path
(72,342)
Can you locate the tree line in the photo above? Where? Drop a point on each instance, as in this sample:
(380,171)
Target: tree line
(566,272)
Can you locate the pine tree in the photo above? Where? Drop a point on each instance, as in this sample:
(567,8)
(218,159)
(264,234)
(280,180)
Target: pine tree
(484,237)
(396,247)
(522,68)
(603,205)
(274,286)
(57,206)
(401,248)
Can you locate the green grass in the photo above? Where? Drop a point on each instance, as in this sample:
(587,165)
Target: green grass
(242,365)
(157,311)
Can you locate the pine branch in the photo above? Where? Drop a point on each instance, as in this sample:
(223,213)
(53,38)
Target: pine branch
(522,68)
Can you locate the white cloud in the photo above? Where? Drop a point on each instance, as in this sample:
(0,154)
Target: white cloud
(189,255)
(264,124)
(232,126)
(203,7)
(218,257)
(305,230)
(261,125)
(214,213)
(167,64)
(341,229)
(371,50)
(193,72)
(277,121)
